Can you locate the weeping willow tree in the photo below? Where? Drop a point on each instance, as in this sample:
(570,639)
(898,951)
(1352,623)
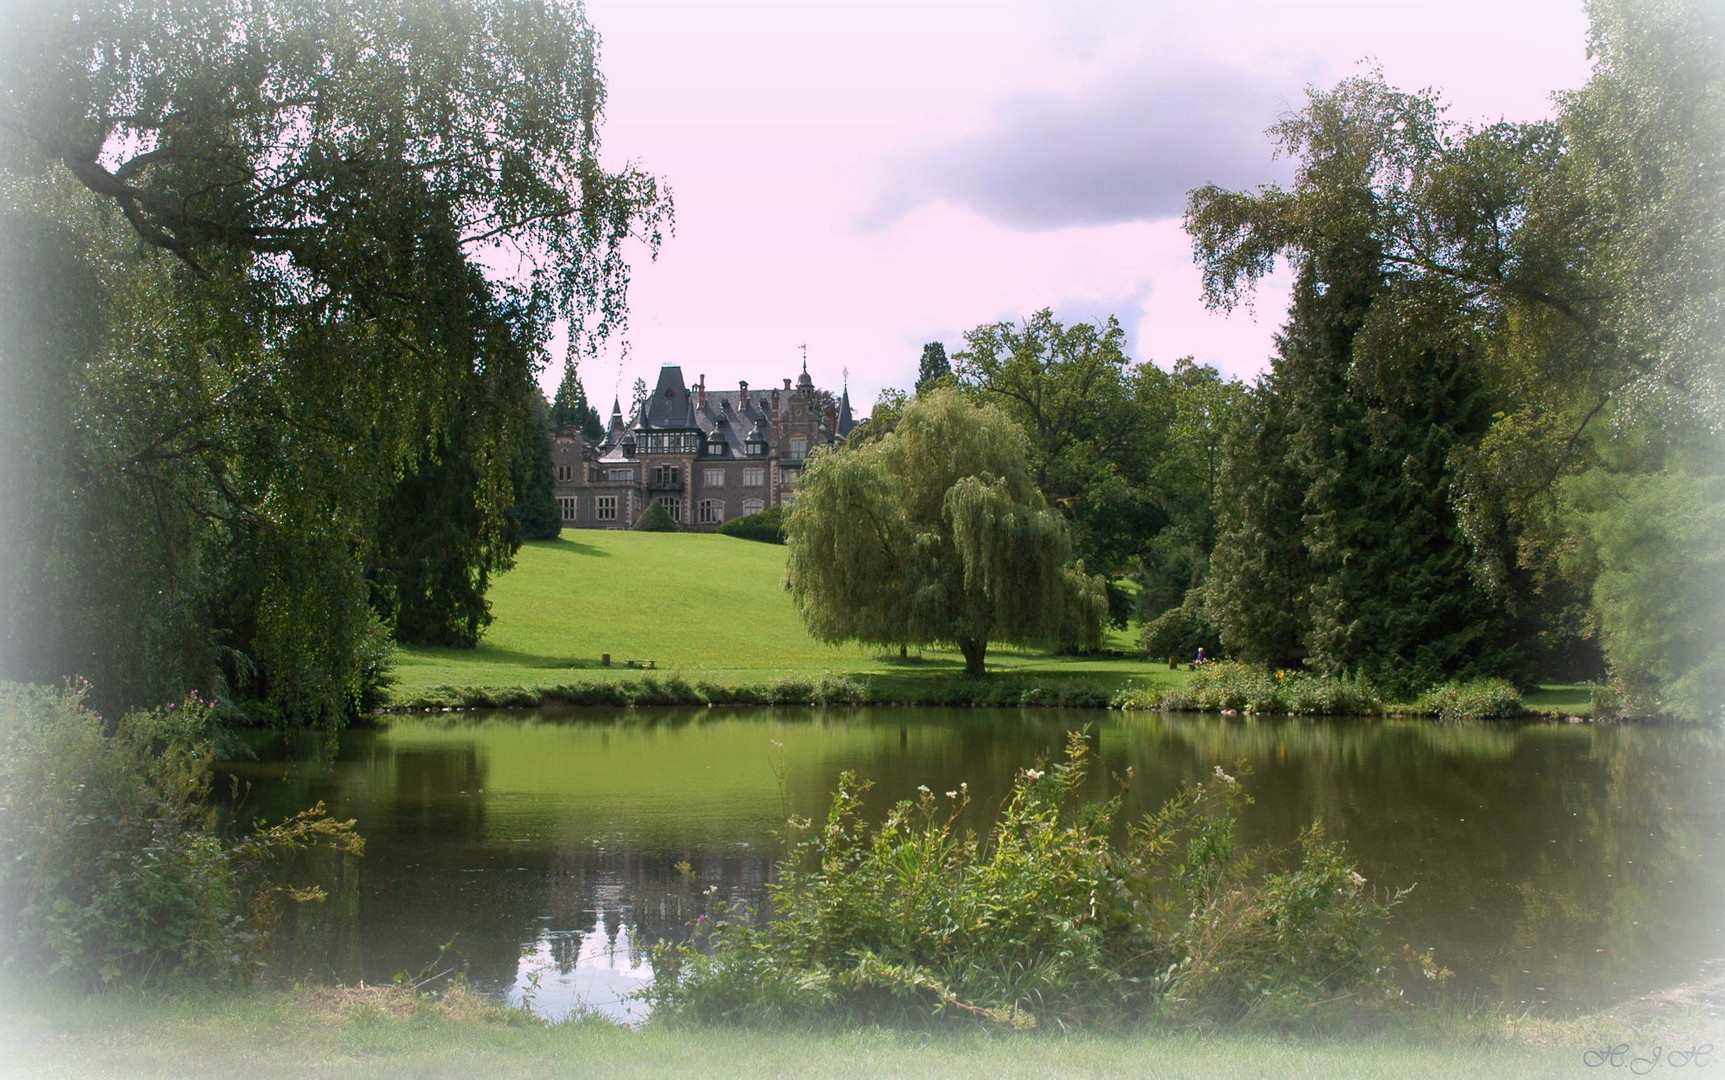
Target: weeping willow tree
(276,277)
(936,534)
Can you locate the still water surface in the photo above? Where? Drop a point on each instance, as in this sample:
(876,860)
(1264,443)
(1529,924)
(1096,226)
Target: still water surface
(1561,865)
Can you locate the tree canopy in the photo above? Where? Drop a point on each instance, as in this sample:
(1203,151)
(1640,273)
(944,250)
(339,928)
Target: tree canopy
(1098,425)
(291,340)
(571,408)
(936,533)
(1552,290)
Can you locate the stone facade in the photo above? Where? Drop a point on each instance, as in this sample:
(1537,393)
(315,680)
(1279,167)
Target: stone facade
(708,455)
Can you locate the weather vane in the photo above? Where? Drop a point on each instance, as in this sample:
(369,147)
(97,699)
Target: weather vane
(805,349)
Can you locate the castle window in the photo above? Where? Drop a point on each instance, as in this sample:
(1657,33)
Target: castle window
(565,473)
(661,443)
(713,478)
(673,506)
(566,503)
(799,449)
(604,508)
(711,512)
(754,478)
(667,474)
(753,506)
(622,475)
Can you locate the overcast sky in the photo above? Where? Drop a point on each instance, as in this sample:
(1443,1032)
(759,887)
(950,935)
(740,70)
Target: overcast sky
(863,177)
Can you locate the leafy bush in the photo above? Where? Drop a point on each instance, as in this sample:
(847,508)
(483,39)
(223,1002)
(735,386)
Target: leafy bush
(656,519)
(1179,633)
(767,527)
(1228,685)
(112,870)
(1046,919)
(1477,699)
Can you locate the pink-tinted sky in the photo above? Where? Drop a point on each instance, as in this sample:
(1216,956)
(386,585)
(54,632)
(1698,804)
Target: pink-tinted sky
(864,176)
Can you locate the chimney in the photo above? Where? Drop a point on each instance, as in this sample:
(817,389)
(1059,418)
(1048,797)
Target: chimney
(742,397)
(776,411)
(787,384)
(701,393)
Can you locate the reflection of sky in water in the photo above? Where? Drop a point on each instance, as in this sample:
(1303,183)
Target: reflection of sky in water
(575,970)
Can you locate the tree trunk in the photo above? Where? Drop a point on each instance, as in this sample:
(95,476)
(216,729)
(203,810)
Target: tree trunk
(973,653)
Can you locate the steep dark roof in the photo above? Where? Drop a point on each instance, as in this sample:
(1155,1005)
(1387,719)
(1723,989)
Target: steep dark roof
(669,407)
(846,423)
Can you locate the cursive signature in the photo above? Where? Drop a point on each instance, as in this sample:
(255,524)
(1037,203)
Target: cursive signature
(1622,1057)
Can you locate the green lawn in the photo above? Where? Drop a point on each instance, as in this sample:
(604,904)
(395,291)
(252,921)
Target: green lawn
(700,606)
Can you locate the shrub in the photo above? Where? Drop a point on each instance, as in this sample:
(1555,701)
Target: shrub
(1180,632)
(1229,685)
(112,870)
(1047,919)
(656,519)
(767,527)
(1477,699)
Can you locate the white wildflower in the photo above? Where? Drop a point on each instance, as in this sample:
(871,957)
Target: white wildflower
(1222,776)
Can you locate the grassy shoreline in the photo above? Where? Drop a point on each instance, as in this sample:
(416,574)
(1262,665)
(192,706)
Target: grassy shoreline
(387,1032)
(711,616)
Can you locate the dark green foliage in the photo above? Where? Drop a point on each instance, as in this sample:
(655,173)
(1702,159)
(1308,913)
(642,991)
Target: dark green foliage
(535,512)
(768,526)
(112,872)
(275,355)
(449,525)
(1180,632)
(656,519)
(1565,274)
(1046,920)
(571,409)
(933,368)
(1339,494)
(1176,559)
(1099,427)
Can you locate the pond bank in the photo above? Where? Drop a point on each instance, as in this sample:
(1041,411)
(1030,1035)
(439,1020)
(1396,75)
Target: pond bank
(1219,688)
(387,1032)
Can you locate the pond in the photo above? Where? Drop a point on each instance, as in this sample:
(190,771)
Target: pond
(1564,866)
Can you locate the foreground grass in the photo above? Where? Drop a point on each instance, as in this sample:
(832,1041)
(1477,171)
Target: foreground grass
(384,1033)
(702,607)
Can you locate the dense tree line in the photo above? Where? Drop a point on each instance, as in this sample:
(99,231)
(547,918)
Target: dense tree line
(265,405)
(1491,432)
(1489,439)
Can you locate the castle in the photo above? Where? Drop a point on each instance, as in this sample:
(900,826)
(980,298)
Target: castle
(706,455)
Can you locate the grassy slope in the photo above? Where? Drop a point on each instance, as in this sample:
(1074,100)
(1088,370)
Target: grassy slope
(700,605)
(347,1033)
